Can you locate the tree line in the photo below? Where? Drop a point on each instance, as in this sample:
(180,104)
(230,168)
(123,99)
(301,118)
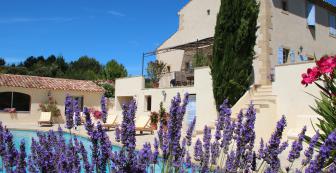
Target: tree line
(84,68)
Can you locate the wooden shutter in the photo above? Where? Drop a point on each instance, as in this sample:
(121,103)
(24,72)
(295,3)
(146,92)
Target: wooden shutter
(280,55)
(310,14)
(332,25)
(292,56)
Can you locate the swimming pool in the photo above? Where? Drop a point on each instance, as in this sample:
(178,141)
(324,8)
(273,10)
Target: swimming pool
(27,136)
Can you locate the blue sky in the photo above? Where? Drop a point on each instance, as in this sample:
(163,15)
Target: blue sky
(104,29)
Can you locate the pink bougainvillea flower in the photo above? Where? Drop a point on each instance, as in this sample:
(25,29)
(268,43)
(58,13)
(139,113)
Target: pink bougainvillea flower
(326,64)
(311,76)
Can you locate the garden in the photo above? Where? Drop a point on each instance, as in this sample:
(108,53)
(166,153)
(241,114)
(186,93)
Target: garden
(231,147)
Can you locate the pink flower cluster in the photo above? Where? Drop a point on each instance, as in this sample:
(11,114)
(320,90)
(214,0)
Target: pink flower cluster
(325,65)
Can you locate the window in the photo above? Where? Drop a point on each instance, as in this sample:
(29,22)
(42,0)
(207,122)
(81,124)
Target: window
(80,101)
(148,103)
(208,11)
(285,55)
(332,24)
(284,5)
(168,68)
(19,101)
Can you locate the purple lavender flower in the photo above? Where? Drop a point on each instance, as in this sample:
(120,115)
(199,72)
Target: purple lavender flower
(68,112)
(198,150)
(177,112)
(77,113)
(87,166)
(103,108)
(188,163)
(261,153)
(223,119)
(144,159)
(206,145)
(128,133)
(230,162)
(190,132)
(332,167)
(156,151)
(309,152)
(297,146)
(88,122)
(215,151)
(283,147)
(117,134)
(21,165)
(318,163)
(11,153)
(2,142)
(272,150)
(105,148)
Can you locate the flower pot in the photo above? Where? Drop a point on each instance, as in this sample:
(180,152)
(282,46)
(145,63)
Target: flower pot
(154,126)
(155,85)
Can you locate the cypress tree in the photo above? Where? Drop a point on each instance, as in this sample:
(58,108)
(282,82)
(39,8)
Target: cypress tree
(233,49)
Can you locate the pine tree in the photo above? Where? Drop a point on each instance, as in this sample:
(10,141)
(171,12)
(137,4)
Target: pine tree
(234,41)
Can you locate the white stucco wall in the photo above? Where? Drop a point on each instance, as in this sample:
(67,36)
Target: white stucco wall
(38,96)
(290,30)
(205,104)
(194,24)
(293,99)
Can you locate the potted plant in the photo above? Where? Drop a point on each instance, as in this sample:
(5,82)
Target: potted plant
(164,117)
(155,71)
(154,116)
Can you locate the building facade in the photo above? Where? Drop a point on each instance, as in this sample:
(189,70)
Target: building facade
(291,33)
(26,93)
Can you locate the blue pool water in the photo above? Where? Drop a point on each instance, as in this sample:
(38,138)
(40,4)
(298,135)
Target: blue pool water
(27,136)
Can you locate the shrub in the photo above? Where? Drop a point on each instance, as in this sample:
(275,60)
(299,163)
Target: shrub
(51,106)
(324,72)
(235,37)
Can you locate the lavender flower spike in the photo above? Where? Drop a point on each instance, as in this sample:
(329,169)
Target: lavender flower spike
(77,113)
(103,108)
(297,146)
(190,132)
(21,165)
(68,112)
(324,154)
(310,150)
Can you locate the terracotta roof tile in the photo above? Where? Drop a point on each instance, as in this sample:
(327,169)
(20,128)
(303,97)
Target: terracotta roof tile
(26,81)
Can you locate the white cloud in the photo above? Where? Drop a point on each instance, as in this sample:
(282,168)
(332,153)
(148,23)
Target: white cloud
(116,13)
(42,19)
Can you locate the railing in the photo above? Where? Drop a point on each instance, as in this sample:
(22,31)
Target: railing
(174,79)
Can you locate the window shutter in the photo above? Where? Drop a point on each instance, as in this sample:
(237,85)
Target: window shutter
(280,55)
(292,56)
(304,58)
(311,14)
(332,21)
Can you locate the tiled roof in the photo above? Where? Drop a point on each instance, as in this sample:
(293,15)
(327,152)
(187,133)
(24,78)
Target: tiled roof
(331,2)
(25,81)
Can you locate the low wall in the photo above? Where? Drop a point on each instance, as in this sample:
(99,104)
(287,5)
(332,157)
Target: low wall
(293,98)
(205,105)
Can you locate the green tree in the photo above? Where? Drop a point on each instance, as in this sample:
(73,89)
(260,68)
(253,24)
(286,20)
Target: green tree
(200,60)
(155,70)
(235,37)
(2,62)
(85,68)
(113,70)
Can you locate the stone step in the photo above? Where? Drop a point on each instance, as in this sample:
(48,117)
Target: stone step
(264,90)
(262,96)
(266,86)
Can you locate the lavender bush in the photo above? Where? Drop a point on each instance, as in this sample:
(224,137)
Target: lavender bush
(231,148)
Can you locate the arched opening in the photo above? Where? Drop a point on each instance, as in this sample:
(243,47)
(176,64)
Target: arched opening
(19,101)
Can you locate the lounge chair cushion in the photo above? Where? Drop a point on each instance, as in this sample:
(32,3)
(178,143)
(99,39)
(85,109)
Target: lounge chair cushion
(45,116)
(142,121)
